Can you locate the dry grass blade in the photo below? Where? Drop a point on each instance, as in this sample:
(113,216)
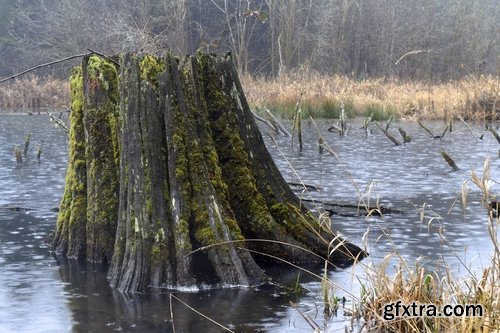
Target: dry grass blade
(308,319)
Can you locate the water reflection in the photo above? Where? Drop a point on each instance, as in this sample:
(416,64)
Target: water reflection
(97,308)
(31,294)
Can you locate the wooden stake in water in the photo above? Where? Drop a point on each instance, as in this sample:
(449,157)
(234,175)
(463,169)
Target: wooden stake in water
(320,144)
(297,123)
(19,155)
(27,140)
(38,153)
(449,160)
(366,123)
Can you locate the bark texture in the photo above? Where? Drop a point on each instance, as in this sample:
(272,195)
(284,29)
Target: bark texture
(182,168)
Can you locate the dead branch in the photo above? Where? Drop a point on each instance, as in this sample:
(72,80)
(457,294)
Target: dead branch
(105,57)
(43,65)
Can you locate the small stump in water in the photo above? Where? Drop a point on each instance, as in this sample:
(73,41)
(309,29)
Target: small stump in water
(168,168)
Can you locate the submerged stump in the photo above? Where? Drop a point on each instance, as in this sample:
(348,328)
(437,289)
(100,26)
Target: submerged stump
(170,182)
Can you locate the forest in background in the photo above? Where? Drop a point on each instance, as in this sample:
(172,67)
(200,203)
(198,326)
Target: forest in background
(406,39)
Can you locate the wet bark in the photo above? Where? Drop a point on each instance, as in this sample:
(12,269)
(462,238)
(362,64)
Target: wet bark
(192,188)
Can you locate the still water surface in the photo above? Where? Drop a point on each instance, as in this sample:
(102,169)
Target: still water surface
(41,293)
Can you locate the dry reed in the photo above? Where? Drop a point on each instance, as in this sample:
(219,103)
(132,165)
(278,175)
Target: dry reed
(472,97)
(32,92)
(414,283)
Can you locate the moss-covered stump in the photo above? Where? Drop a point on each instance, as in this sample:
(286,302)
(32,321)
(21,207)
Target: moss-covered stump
(184,175)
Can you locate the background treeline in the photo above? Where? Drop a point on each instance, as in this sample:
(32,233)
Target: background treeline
(417,39)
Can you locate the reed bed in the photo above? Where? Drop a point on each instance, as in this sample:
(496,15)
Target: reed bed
(415,284)
(472,98)
(325,96)
(33,92)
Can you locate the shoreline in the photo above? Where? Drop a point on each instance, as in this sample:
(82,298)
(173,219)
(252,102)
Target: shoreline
(322,96)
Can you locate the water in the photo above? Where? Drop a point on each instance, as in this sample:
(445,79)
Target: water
(41,293)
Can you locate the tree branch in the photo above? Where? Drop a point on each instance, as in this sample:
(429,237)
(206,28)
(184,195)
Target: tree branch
(43,65)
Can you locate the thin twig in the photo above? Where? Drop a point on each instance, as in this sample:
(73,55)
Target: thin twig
(265,121)
(44,65)
(58,122)
(172,314)
(105,56)
(414,52)
(468,127)
(276,122)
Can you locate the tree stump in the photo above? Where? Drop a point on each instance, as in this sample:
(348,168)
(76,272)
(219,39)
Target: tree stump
(169,179)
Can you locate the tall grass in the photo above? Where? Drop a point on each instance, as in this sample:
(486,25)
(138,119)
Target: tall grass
(32,92)
(324,96)
(472,97)
(414,283)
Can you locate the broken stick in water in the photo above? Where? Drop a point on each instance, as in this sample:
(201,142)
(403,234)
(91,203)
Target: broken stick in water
(297,122)
(406,137)
(449,160)
(27,140)
(494,132)
(38,152)
(427,130)
(389,135)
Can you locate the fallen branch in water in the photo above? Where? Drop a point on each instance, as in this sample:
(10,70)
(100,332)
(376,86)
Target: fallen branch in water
(306,186)
(495,134)
(444,131)
(449,160)
(370,210)
(389,135)
(406,137)
(427,130)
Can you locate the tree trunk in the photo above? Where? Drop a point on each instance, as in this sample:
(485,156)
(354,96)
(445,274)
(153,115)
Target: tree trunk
(192,187)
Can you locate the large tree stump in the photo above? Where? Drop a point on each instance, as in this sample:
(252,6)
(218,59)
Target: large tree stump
(183,168)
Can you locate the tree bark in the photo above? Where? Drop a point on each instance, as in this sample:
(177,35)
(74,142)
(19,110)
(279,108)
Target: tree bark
(192,187)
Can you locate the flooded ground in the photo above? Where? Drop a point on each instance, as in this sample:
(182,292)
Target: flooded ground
(40,293)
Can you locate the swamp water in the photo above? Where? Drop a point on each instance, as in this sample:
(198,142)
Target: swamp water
(40,293)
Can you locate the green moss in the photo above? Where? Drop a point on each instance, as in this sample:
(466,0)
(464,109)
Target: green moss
(72,214)
(102,156)
(150,67)
(102,72)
